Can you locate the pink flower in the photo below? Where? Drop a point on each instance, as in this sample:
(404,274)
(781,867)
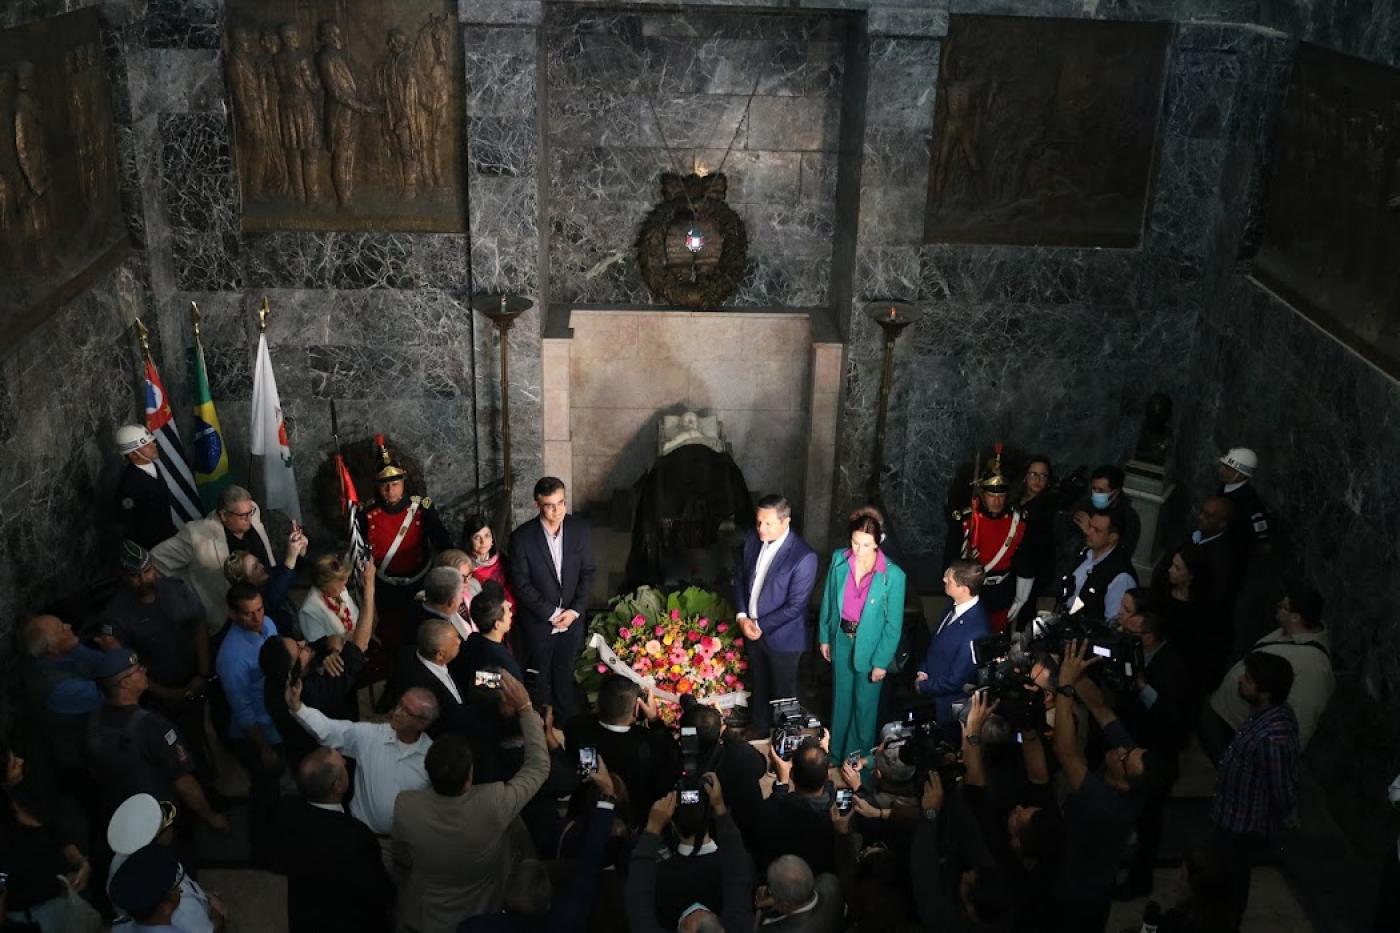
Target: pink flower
(738,643)
(660,630)
(703,624)
(722,627)
(641,665)
(624,633)
(692,635)
(708,643)
(730,680)
(653,647)
(639,620)
(675,615)
(602,668)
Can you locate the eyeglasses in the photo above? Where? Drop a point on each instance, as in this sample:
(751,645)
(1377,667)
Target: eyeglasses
(1037,474)
(248,514)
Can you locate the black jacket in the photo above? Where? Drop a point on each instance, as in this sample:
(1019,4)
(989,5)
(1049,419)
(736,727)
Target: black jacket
(143,507)
(335,873)
(645,757)
(538,589)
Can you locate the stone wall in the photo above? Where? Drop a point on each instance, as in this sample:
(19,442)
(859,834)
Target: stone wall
(635,94)
(1048,349)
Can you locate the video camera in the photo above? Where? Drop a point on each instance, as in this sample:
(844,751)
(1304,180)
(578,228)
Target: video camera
(1005,662)
(921,742)
(792,727)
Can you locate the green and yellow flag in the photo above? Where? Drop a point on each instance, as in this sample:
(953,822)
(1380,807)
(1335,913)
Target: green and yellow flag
(208,455)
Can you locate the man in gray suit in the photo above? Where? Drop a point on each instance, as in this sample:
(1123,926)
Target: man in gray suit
(455,842)
(796,900)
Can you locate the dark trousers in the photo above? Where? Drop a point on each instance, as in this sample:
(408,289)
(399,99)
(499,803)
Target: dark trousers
(1388,898)
(1239,853)
(265,787)
(553,658)
(772,676)
(1149,841)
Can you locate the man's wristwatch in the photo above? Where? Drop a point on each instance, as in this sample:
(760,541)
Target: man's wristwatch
(1067,690)
(974,738)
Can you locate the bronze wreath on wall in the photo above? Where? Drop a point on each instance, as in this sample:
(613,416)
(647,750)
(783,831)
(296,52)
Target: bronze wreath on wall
(693,248)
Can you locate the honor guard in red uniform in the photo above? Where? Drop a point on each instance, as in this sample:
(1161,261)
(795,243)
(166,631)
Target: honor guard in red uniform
(991,531)
(402,532)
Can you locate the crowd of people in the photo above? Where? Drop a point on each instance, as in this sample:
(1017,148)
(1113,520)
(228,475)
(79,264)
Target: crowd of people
(488,794)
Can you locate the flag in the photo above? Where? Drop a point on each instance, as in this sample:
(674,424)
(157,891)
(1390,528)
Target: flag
(210,456)
(174,470)
(269,438)
(348,496)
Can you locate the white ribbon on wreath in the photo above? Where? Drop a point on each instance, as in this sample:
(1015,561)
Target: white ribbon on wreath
(619,666)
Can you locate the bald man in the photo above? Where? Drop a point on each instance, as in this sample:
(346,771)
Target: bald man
(336,878)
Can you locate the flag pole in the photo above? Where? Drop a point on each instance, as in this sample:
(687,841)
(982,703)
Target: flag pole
(144,336)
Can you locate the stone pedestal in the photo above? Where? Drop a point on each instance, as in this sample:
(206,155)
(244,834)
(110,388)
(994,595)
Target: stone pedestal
(1147,485)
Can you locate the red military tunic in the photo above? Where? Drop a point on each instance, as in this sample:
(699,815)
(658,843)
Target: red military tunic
(382,527)
(992,542)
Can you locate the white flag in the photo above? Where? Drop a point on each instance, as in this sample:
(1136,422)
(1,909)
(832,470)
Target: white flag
(269,438)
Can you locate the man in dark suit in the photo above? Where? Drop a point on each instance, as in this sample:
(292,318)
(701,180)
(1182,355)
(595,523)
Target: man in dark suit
(948,664)
(772,585)
(643,754)
(551,573)
(335,871)
(145,511)
(429,664)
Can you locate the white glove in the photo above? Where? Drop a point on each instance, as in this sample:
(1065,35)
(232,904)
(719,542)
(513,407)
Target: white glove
(1023,593)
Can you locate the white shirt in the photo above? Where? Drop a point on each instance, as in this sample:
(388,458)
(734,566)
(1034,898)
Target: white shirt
(440,672)
(149,469)
(385,766)
(192,915)
(333,807)
(708,847)
(318,620)
(957,613)
(766,553)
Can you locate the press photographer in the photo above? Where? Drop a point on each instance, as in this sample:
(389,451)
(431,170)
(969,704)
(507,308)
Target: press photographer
(1017,813)
(738,764)
(1101,808)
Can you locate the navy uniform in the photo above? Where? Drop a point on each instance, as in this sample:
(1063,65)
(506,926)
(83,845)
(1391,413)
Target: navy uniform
(143,500)
(134,750)
(1249,532)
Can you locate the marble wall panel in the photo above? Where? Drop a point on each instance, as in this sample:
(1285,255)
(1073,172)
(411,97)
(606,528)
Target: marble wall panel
(635,94)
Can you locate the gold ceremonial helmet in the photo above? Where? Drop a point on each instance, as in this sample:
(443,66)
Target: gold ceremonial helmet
(992,479)
(389,468)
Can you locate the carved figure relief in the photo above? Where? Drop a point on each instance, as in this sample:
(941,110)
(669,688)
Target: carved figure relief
(1044,131)
(59,208)
(1331,237)
(339,133)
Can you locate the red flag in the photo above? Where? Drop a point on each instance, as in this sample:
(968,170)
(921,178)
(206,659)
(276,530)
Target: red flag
(348,496)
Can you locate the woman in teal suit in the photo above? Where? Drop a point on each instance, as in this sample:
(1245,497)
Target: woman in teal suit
(861,620)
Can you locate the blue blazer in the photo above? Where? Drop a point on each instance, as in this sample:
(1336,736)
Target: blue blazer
(787,588)
(948,662)
(881,618)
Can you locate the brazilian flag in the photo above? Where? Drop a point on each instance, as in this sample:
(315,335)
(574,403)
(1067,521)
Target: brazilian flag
(208,455)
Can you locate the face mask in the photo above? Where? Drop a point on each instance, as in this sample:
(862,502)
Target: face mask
(1100,500)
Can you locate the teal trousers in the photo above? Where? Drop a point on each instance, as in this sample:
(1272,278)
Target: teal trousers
(855,708)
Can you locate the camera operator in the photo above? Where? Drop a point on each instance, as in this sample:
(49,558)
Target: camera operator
(1022,829)
(737,764)
(891,794)
(796,817)
(736,871)
(1100,810)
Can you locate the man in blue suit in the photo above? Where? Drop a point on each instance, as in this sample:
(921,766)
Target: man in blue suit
(948,664)
(772,584)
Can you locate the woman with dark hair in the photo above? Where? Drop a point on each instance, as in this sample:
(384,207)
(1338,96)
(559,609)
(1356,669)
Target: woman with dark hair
(861,619)
(486,561)
(1035,558)
(1190,618)
(44,869)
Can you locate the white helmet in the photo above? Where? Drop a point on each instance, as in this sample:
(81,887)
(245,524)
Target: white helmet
(1241,459)
(132,437)
(135,824)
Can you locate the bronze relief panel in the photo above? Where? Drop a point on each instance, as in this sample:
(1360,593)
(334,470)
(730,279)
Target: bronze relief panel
(1331,238)
(1044,131)
(60,211)
(347,114)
